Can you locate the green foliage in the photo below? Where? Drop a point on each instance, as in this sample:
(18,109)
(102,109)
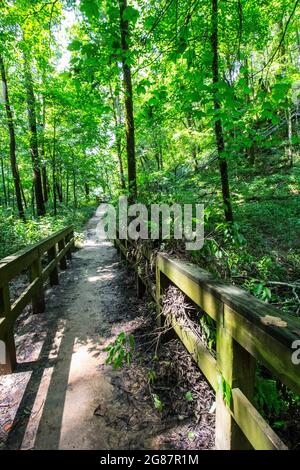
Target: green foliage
(268,398)
(120,351)
(15,234)
(152,376)
(226,390)
(189,396)
(158,404)
(208,331)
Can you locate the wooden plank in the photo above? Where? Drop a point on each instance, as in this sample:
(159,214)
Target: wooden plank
(2,327)
(264,342)
(51,270)
(255,428)
(16,264)
(236,369)
(25,298)
(236,298)
(12,265)
(38,298)
(266,349)
(47,243)
(190,286)
(9,361)
(62,252)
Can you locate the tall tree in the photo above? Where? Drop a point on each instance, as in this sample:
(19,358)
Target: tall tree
(218,121)
(117,125)
(37,179)
(129,118)
(12,141)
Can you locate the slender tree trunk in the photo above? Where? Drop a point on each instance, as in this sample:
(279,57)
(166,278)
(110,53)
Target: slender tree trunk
(59,192)
(161,157)
(3,181)
(43,159)
(129,119)
(32,200)
(37,180)
(74,183)
(117,120)
(45,182)
(23,197)
(8,186)
(54,185)
(290,137)
(218,123)
(12,142)
(67,188)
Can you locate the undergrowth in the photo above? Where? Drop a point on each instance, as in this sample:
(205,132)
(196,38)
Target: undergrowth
(16,234)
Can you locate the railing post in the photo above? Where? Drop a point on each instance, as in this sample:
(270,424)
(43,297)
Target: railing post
(236,368)
(69,252)
(53,277)
(38,300)
(63,261)
(73,241)
(9,361)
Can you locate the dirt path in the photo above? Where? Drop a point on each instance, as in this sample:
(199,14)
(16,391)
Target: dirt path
(67,382)
(62,396)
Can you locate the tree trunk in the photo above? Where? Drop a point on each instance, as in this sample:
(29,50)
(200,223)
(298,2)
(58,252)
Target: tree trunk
(45,182)
(67,188)
(74,184)
(87,191)
(12,142)
(23,197)
(54,185)
(37,180)
(117,120)
(129,119)
(32,200)
(290,137)
(3,181)
(43,160)
(218,123)
(161,157)
(59,192)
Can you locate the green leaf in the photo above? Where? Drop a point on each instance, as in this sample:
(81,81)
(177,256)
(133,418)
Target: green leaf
(189,396)
(130,14)
(75,45)
(90,8)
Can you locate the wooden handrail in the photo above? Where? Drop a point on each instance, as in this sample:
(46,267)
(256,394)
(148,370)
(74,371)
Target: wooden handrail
(58,247)
(248,331)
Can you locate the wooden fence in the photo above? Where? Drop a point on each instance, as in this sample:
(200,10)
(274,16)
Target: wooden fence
(56,248)
(248,331)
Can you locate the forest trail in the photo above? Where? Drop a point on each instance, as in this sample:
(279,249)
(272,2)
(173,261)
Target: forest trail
(56,409)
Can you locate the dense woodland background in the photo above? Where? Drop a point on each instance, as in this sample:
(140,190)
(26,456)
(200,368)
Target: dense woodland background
(166,101)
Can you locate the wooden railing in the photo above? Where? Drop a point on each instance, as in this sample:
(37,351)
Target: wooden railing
(248,331)
(57,248)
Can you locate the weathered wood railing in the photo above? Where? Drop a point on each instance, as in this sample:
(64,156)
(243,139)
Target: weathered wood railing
(248,331)
(58,248)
